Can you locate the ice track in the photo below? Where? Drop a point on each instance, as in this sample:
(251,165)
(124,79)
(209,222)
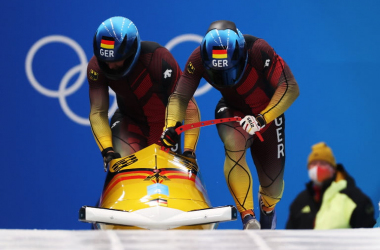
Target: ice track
(360,239)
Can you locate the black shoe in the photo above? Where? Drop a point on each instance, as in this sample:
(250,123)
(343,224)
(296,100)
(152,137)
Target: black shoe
(267,220)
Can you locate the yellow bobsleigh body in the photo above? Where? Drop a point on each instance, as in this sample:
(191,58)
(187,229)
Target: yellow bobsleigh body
(154,189)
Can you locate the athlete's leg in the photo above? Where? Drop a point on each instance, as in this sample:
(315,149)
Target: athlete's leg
(236,171)
(269,159)
(127,137)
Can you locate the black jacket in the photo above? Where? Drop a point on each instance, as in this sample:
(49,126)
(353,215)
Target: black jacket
(304,209)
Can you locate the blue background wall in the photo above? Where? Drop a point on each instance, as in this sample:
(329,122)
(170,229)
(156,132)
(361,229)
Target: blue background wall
(51,164)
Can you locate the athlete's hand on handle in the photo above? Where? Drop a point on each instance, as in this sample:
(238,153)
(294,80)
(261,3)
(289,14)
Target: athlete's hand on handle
(251,125)
(108,155)
(170,137)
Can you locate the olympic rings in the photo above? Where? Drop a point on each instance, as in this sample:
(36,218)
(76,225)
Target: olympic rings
(64,91)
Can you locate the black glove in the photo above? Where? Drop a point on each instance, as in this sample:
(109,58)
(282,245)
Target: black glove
(170,137)
(108,155)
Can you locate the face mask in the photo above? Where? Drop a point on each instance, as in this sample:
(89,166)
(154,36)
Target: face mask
(319,174)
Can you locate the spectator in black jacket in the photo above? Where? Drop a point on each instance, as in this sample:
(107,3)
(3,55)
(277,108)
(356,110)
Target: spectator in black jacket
(331,199)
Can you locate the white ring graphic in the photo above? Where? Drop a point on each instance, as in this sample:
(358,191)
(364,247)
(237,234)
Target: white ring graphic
(192,38)
(62,92)
(50,39)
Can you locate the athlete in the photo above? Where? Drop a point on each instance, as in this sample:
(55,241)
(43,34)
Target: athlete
(143,74)
(257,85)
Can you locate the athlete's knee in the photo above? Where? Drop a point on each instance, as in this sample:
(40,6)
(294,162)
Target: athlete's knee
(272,195)
(127,146)
(233,140)
(124,149)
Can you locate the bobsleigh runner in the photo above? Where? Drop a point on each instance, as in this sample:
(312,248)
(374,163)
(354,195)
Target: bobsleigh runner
(156,189)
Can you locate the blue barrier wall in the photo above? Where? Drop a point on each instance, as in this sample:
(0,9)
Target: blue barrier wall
(51,164)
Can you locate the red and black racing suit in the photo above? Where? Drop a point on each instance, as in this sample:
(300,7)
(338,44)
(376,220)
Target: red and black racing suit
(267,87)
(142,96)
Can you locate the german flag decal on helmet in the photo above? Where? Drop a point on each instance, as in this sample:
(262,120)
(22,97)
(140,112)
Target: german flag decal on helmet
(107,42)
(219,52)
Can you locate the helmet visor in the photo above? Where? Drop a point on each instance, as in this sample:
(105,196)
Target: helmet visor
(128,59)
(227,77)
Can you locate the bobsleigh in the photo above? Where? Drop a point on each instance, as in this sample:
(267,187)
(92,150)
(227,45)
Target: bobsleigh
(156,188)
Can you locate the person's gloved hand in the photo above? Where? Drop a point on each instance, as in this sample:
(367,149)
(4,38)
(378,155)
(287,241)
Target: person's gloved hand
(108,155)
(251,124)
(170,137)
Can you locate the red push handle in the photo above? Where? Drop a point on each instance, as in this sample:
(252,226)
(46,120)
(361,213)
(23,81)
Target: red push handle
(185,127)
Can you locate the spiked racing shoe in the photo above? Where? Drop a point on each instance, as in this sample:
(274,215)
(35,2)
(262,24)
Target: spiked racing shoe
(268,220)
(249,220)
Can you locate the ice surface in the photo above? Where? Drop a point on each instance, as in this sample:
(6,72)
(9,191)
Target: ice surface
(358,239)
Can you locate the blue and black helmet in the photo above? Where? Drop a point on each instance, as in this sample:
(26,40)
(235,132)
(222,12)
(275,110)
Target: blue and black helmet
(224,53)
(117,39)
